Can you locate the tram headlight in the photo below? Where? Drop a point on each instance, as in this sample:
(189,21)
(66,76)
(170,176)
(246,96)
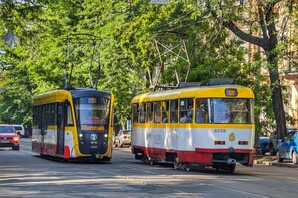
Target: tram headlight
(81,135)
(106,135)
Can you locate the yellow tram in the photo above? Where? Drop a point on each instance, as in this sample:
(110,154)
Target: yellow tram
(73,123)
(195,126)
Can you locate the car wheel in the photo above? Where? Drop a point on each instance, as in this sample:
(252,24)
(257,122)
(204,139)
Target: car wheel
(271,150)
(294,157)
(16,148)
(279,159)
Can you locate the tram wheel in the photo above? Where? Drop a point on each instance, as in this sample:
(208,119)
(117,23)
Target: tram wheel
(175,165)
(187,169)
(144,159)
(151,162)
(231,168)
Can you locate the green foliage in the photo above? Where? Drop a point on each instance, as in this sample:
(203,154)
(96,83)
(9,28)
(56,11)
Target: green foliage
(114,41)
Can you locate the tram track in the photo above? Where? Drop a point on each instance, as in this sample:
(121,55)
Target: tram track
(158,178)
(124,170)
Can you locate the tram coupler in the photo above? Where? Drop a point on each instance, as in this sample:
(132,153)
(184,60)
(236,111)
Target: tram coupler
(231,161)
(98,156)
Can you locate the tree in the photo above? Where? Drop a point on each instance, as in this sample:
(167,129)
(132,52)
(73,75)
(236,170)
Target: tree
(263,21)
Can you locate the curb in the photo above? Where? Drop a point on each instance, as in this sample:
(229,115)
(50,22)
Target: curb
(272,162)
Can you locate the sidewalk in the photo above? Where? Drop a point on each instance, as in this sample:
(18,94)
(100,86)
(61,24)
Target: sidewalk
(268,160)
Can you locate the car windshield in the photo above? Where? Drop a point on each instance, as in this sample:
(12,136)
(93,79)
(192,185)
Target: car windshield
(17,128)
(126,132)
(6,129)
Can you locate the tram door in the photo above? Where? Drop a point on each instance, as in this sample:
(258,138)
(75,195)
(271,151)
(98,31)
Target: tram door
(43,128)
(60,128)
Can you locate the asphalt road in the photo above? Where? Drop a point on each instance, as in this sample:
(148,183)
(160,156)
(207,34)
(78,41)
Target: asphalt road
(25,174)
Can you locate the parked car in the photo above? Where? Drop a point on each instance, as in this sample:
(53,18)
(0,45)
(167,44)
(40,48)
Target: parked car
(123,138)
(264,145)
(273,141)
(19,129)
(9,137)
(288,147)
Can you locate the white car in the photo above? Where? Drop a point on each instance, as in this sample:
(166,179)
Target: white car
(19,129)
(123,138)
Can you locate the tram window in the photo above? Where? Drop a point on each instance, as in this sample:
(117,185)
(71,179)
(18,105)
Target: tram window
(69,116)
(239,111)
(142,112)
(220,111)
(135,113)
(47,115)
(186,110)
(230,111)
(202,115)
(35,115)
(39,116)
(149,112)
(157,112)
(251,104)
(174,111)
(165,111)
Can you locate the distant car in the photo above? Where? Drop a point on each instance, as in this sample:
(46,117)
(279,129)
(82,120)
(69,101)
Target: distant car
(273,141)
(9,137)
(20,130)
(123,138)
(264,145)
(288,147)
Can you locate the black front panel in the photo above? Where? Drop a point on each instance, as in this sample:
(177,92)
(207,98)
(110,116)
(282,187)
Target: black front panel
(93,142)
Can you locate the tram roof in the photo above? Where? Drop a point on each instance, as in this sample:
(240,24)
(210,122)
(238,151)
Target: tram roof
(217,91)
(60,95)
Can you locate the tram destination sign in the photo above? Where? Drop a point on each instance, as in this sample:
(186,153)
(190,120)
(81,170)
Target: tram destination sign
(161,2)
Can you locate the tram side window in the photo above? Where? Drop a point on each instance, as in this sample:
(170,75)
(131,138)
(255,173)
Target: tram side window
(50,114)
(39,116)
(186,110)
(239,111)
(157,113)
(165,111)
(149,112)
(34,114)
(69,116)
(174,111)
(220,110)
(135,113)
(142,112)
(251,104)
(202,115)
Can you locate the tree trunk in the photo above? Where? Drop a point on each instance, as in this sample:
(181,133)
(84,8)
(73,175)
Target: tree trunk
(268,42)
(277,101)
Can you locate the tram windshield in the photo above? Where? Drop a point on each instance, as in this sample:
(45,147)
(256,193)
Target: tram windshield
(227,110)
(92,111)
